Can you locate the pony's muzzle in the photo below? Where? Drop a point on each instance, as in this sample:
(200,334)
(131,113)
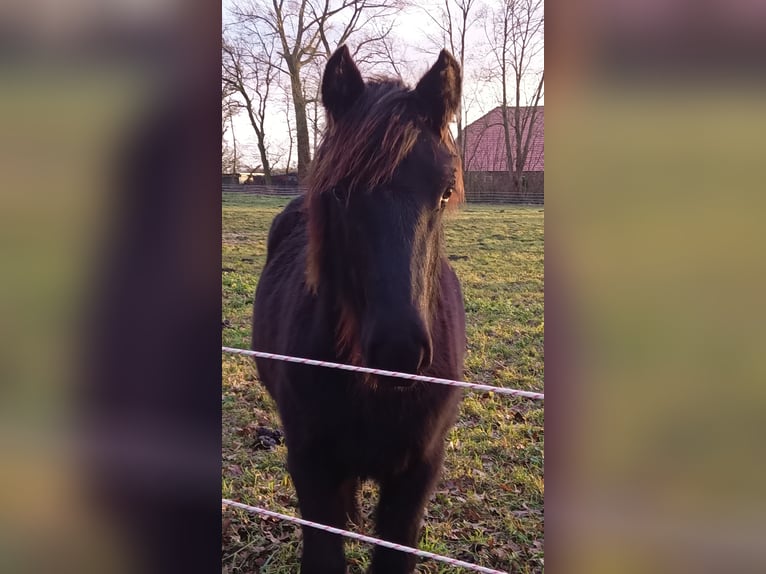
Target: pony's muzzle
(404,348)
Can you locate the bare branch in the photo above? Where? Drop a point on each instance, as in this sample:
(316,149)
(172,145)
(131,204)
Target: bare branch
(304,33)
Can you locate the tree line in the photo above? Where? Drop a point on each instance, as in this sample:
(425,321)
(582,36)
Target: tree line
(273,53)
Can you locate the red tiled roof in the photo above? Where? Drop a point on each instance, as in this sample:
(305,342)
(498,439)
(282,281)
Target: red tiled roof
(485,143)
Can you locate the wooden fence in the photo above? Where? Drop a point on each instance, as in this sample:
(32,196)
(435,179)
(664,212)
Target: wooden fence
(474,193)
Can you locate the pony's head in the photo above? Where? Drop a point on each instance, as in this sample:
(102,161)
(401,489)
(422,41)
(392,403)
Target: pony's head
(385,172)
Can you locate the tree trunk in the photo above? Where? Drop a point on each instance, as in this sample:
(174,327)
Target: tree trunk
(504,109)
(260,136)
(507,132)
(289,153)
(516,185)
(315,121)
(520,157)
(264,162)
(464,144)
(508,145)
(301,127)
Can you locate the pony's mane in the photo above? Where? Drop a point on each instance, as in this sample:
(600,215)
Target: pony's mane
(363,150)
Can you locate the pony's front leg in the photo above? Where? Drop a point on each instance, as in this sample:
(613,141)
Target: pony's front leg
(321,500)
(400,512)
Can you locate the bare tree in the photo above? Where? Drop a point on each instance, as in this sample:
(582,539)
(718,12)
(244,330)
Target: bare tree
(390,55)
(306,30)
(227,159)
(379,51)
(290,133)
(312,86)
(315,122)
(249,72)
(516,40)
(229,109)
(453,19)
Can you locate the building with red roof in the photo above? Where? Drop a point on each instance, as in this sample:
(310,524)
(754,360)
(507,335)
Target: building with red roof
(487,177)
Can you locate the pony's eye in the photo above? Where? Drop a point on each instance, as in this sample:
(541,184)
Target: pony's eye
(338,195)
(447,194)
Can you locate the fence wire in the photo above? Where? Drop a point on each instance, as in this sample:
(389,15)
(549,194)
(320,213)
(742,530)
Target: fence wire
(361,537)
(384,373)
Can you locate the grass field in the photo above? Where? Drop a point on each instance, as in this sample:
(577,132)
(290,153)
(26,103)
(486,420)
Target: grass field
(488,507)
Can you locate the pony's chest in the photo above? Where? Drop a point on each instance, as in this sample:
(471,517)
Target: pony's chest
(383,437)
(374,452)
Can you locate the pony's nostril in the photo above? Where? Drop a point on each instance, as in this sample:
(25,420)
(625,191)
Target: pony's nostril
(423,341)
(421,359)
(394,356)
(403,345)
(426,356)
(404,354)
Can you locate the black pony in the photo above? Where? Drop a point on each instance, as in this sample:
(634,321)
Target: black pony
(356,273)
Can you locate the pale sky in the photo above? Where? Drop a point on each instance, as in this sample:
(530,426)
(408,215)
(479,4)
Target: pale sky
(410,30)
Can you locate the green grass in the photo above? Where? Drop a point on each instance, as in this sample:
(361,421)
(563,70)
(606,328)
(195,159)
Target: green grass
(488,507)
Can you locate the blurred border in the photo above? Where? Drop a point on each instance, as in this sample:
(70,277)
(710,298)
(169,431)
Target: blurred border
(111,244)
(655,118)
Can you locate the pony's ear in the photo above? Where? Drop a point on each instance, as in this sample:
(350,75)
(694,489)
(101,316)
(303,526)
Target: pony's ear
(342,83)
(439,90)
